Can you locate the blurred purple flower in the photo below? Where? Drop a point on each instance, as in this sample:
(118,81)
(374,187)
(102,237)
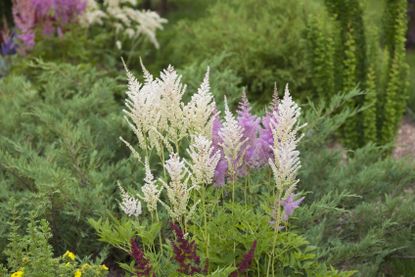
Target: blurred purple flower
(28,39)
(290,205)
(8,45)
(51,16)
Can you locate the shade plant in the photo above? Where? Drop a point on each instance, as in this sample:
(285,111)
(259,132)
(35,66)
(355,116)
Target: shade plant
(203,214)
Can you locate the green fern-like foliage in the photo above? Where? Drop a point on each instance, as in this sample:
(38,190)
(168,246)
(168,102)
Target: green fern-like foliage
(59,150)
(359,209)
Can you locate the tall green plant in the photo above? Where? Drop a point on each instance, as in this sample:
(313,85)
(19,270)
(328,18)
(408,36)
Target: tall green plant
(357,65)
(321,62)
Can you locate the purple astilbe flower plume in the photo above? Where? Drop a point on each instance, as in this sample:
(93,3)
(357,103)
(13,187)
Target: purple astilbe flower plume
(251,128)
(25,21)
(246,261)
(7,43)
(290,205)
(266,140)
(143,266)
(185,253)
(216,126)
(51,16)
(222,166)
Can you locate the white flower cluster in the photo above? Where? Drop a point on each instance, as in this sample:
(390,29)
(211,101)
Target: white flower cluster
(178,189)
(286,156)
(130,205)
(150,191)
(156,112)
(93,14)
(198,112)
(232,141)
(125,19)
(203,160)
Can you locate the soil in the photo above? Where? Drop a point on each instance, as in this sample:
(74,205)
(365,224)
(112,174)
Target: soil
(405,141)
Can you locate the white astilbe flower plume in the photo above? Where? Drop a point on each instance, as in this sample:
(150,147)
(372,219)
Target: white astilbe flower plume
(178,191)
(198,112)
(203,160)
(231,135)
(130,205)
(148,23)
(172,116)
(125,19)
(285,134)
(155,108)
(150,191)
(92,14)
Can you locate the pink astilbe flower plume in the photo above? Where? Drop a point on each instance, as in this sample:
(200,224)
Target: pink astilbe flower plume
(185,253)
(143,266)
(246,261)
(289,205)
(222,166)
(266,140)
(251,128)
(50,16)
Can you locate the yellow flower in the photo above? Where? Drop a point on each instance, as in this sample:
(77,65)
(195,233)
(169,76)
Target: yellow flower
(19,273)
(78,273)
(70,255)
(84,267)
(104,267)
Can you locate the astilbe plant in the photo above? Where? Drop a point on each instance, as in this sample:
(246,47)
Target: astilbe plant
(124,18)
(203,159)
(49,16)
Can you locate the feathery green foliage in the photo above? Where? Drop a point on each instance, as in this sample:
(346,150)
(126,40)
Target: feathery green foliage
(59,149)
(358,209)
